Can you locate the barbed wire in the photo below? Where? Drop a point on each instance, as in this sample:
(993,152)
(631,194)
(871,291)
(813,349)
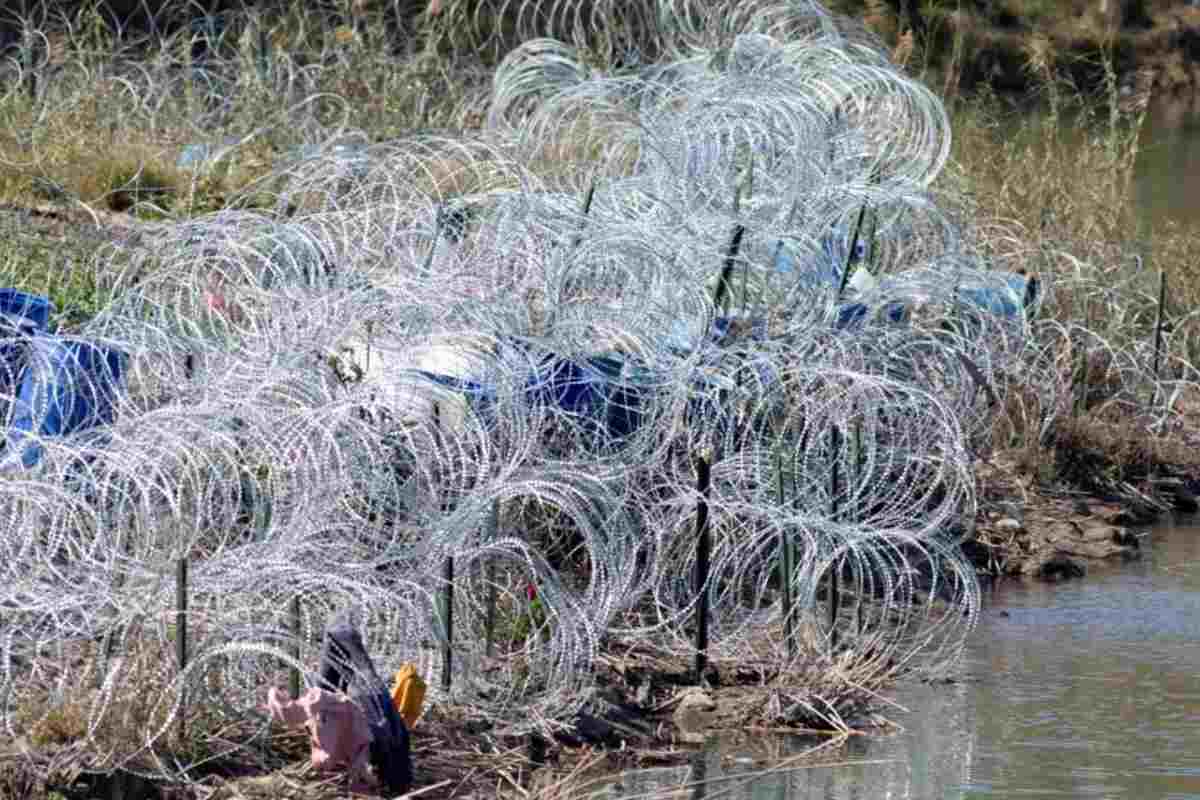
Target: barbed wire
(509,351)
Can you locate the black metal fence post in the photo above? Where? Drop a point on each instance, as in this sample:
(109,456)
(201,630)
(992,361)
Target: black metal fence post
(489,623)
(1158,328)
(448,621)
(448,580)
(584,210)
(294,622)
(181,636)
(786,563)
(703,553)
(857,461)
(835,591)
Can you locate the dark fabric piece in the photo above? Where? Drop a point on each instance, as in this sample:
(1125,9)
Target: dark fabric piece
(346,666)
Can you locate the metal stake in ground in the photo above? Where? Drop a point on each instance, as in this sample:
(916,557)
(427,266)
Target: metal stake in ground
(489,624)
(722,289)
(1158,327)
(835,592)
(448,617)
(857,462)
(181,648)
(786,563)
(584,210)
(703,552)
(294,608)
(448,578)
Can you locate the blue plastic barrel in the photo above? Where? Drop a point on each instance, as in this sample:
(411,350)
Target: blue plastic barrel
(22,315)
(17,306)
(68,386)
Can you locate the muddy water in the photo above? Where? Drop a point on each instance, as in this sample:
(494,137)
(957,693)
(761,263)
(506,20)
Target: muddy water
(1168,166)
(1167,170)
(1088,689)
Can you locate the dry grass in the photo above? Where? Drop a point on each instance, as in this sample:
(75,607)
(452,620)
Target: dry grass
(75,158)
(112,114)
(1107,453)
(1053,188)
(456,753)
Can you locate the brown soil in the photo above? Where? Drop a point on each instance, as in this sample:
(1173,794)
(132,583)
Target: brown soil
(1026,530)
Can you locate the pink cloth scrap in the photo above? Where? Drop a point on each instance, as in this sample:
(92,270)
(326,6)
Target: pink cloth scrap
(337,729)
(218,302)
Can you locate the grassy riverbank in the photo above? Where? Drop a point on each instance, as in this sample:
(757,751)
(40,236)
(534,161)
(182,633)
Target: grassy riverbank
(131,175)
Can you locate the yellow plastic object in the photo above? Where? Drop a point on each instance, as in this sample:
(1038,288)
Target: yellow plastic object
(408,694)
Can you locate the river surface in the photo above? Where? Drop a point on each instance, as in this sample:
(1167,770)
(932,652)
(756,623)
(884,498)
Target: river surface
(1167,174)
(1085,689)
(1166,180)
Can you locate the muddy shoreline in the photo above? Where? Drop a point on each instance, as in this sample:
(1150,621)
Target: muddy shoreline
(1025,528)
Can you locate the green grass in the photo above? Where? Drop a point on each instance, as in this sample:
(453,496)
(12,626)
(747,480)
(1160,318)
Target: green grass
(37,259)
